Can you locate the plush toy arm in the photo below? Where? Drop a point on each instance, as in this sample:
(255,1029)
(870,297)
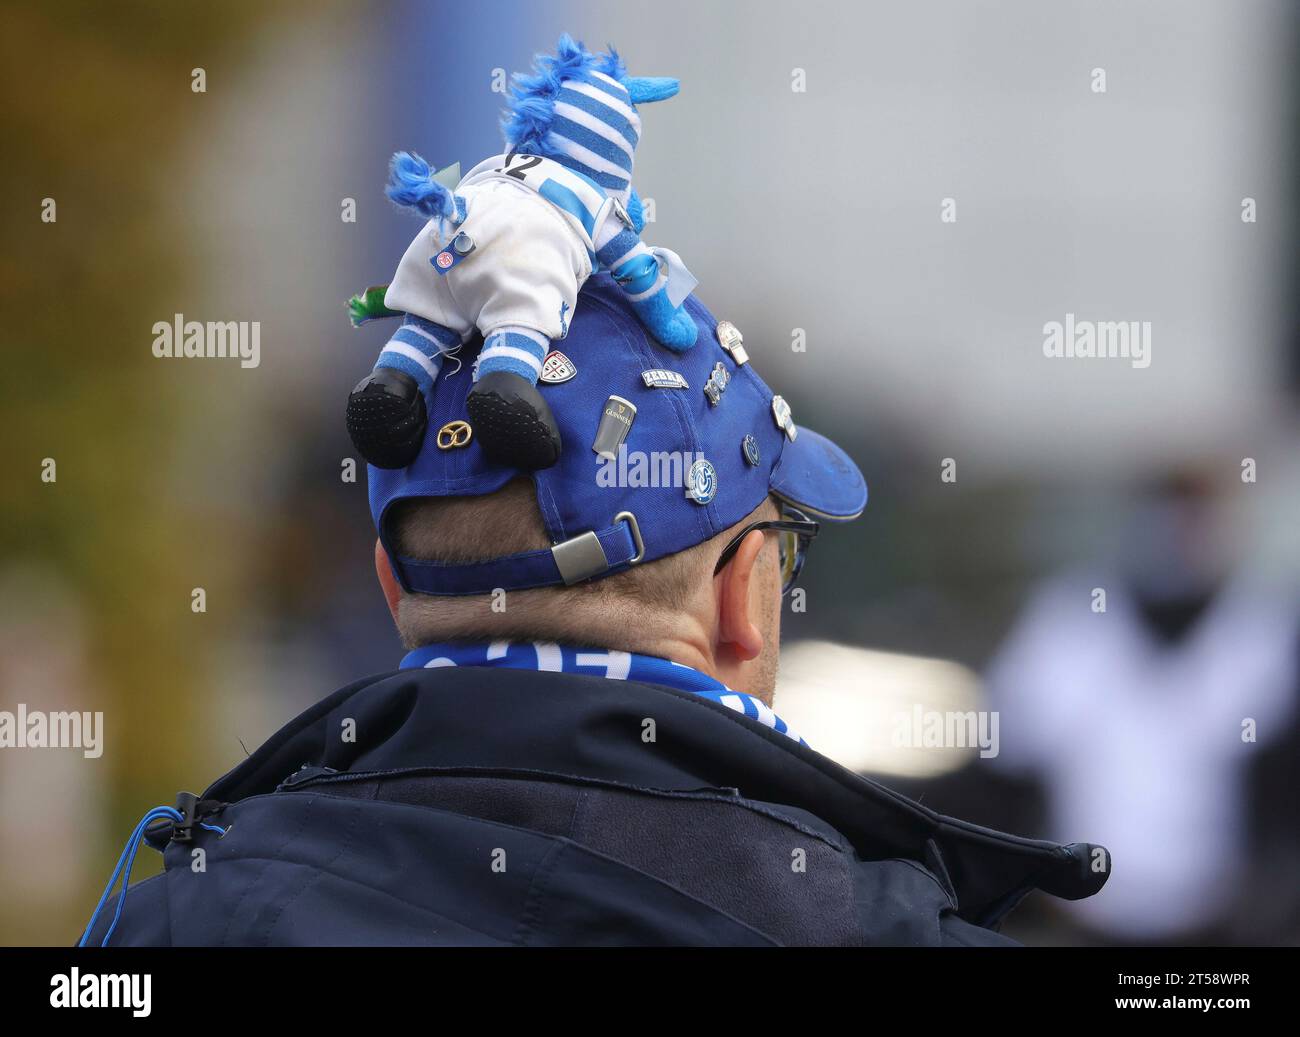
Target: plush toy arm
(644,275)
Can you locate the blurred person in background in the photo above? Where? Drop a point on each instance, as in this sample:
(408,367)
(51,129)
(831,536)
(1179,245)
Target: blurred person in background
(1156,705)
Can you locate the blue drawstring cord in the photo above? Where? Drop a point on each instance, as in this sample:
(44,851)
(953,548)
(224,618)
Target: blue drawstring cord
(126,861)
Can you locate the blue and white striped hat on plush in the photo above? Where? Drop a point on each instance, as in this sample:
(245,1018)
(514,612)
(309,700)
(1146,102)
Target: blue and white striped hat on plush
(597,129)
(579,108)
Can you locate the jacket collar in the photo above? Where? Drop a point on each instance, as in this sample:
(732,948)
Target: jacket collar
(469,719)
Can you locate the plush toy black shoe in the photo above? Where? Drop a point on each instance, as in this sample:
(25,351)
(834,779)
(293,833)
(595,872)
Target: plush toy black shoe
(512,422)
(387,418)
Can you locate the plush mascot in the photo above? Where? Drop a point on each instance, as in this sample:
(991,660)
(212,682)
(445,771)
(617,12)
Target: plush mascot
(504,253)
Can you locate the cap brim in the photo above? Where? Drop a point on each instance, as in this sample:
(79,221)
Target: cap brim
(818,477)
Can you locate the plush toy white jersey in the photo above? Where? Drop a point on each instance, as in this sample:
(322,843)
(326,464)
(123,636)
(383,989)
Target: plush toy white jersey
(534,228)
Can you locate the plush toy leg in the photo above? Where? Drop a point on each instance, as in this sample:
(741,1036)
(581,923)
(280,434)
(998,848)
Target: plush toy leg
(511,421)
(388,410)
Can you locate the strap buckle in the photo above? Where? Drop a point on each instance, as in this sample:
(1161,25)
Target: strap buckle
(580,558)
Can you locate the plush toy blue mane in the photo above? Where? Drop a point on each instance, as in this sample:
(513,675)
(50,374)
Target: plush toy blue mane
(532,126)
(527,121)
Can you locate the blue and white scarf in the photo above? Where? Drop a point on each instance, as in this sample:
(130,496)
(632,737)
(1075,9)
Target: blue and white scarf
(616,666)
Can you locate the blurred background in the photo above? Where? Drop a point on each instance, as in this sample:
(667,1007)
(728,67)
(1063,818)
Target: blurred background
(808,172)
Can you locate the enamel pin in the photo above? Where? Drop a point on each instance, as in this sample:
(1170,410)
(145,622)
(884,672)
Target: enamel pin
(556,368)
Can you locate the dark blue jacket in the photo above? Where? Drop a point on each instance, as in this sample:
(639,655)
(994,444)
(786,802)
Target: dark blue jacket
(477,806)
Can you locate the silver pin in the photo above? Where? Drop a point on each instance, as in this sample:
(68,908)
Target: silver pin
(732,341)
(462,244)
(659,378)
(701,482)
(615,423)
(622,215)
(784,419)
(717,382)
(556,368)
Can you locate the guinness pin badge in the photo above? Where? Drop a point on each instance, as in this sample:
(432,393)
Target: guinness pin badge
(556,368)
(615,422)
(732,341)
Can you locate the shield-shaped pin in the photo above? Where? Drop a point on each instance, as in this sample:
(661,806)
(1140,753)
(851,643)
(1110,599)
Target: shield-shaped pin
(556,368)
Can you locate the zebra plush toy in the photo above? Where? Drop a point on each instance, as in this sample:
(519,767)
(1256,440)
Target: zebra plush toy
(504,253)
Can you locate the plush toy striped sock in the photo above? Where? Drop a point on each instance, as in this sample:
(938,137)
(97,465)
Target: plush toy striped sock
(416,349)
(517,350)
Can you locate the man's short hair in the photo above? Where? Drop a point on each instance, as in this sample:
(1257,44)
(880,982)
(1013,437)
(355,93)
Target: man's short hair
(598,613)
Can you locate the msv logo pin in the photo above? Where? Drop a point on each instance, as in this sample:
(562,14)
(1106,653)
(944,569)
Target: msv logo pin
(701,482)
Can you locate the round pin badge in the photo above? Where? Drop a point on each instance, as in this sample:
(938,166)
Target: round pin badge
(444,260)
(749,447)
(701,482)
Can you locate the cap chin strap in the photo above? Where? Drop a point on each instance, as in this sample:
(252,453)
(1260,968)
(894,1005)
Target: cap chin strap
(579,558)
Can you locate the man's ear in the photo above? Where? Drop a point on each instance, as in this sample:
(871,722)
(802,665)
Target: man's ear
(387,581)
(737,631)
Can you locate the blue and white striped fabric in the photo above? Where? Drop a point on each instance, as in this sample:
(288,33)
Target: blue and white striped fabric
(618,666)
(517,350)
(416,348)
(597,129)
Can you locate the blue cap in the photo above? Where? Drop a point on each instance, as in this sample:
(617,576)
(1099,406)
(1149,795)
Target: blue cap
(720,460)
